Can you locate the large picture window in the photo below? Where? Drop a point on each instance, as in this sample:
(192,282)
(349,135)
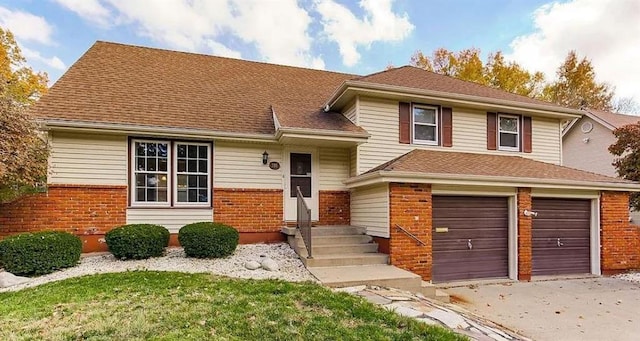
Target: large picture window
(166,173)
(425,124)
(509,132)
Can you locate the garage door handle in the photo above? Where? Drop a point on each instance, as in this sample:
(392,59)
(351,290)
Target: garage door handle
(559,243)
(469,245)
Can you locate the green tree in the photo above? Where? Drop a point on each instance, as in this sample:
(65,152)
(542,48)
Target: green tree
(576,86)
(23,150)
(627,152)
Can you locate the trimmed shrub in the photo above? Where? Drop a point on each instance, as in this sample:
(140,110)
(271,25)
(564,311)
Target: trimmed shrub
(208,240)
(137,241)
(40,253)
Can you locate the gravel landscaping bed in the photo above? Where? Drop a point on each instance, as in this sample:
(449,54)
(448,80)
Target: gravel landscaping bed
(631,276)
(290,267)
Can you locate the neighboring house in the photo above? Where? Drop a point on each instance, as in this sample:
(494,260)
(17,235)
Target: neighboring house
(143,135)
(586,141)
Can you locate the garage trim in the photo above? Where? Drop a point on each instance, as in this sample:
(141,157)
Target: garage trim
(511,195)
(595,220)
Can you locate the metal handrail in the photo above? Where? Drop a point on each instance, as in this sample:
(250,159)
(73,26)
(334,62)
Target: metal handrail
(303,221)
(400,228)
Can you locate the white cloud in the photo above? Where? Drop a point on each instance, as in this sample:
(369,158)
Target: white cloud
(26,26)
(223,51)
(379,23)
(91,10)
(278,29)
(605,31)
(53,62)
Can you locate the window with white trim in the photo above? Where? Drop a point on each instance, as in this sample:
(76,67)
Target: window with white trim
(425,124)
(166,173)
(509,132)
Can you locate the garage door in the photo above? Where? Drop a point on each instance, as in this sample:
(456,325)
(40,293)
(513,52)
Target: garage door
(470,238)
(561,236)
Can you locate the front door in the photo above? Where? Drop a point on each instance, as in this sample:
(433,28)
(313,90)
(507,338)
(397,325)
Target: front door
(301,172)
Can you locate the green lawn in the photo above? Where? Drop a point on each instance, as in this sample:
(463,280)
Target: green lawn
(178,306)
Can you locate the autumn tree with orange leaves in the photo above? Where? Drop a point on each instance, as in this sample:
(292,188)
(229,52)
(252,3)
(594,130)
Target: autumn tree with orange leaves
(575,86)
(23,149)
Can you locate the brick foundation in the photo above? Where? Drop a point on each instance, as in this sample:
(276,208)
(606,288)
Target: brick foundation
(620,240)
(383,244)
(524,235)
(410,206)
(86,211)
(249,210)
(334,208)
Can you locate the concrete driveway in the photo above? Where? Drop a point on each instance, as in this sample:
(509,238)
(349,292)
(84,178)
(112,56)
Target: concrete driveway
(568,309)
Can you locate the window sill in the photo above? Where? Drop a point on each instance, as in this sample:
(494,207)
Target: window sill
(425,143)
(509,149)
(204,207)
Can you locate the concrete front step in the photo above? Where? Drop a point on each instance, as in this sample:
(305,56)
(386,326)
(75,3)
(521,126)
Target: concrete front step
(334,240)
(380,275)
(346,259)
(335,230)
(337,249)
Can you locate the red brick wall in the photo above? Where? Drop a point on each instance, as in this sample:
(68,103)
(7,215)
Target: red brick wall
(87,211)
(620,240)
(335,208)
(408,201)
(249,210)
(524,235)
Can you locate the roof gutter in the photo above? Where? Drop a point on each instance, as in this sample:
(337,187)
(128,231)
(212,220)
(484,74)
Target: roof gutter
(497,181)
(336,133)
(115,128)
(453,97)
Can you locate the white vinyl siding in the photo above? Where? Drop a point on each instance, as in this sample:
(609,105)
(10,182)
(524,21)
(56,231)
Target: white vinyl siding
(353,167)
(172,219)
(351,112)
(239,165)
(87,159)
(380,118)
(370,209)
(334,168)
(545,140)
(592,155)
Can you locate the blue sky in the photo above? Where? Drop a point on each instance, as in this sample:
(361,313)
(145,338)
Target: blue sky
(352,36)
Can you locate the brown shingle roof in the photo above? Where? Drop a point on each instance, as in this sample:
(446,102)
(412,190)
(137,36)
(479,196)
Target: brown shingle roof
(469,164)
(616,120)
(115,83)
(413,77)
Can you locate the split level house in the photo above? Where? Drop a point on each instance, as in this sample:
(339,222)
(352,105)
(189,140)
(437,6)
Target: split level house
(451,179)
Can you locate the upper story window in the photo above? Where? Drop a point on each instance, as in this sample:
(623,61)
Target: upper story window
(166,173)
(425,124)
(509,132)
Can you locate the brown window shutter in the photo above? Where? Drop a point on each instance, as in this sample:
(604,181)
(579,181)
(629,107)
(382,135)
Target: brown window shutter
(492,128)
(405,122)
(526,134)
(447,127)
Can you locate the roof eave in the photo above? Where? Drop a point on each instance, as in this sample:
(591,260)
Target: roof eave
(451,97)
(496,181)
(116,128)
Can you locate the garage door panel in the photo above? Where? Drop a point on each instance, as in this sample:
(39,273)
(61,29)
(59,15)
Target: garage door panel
(470,213)
(495,221)
(484,221)
(456,233)
(561,236)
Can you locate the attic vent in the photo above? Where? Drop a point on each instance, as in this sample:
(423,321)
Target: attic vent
(586,127)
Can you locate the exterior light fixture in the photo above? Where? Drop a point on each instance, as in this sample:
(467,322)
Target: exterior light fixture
(265,157)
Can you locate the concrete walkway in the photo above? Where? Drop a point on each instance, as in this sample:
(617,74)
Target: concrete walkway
(570,309)
(434,312)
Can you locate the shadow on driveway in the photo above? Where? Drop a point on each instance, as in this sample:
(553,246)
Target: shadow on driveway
(567,309)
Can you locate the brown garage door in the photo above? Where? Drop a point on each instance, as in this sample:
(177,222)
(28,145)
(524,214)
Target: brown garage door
(476,242)
(561,236)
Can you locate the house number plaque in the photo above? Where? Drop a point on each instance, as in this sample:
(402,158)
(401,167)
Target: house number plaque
(274,165)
